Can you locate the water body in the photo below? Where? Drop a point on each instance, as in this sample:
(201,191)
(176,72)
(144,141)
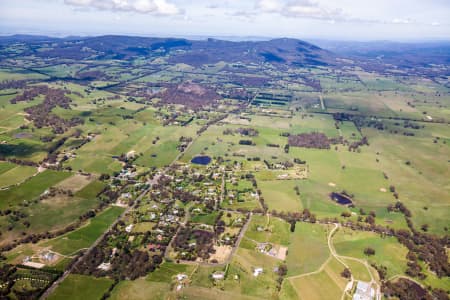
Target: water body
(341,199)
(201,160)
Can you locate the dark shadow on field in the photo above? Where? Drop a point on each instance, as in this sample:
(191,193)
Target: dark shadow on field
(18,150)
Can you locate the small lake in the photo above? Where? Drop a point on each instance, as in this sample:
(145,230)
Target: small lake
(341,199)
(23,135)
(201,160)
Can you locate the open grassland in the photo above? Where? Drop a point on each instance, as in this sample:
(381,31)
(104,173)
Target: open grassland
(280,195)
(418,168)
(358,269)
(15,174)
(242,265)
(388,251)
(75,182)
(86,235)
(167,271)
(211,294)
(327,284)
(268,229)
(31,189)
(140,289)
(81,287)
(308,248)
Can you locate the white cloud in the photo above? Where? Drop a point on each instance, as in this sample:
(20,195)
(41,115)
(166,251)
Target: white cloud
(269,5)
(299,9)
(401,21)
(158,7)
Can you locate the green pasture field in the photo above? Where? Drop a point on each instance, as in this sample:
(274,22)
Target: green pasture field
(422,183)
(192,292)
(308,248)
(6,166)
(15,175)
(208,219)
(242,265)
(91,190)
(19,74)
(140,289)
(32,188)
(86,235)
(81,287)
(62,70)
(166,271)
(327,284)
(280,195)
(273,230)
(55,212)
(388,251)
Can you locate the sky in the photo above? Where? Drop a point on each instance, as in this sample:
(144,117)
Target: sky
(356,20)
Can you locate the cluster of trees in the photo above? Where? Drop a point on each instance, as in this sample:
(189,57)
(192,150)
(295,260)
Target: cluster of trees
(54,191)
(315,140)
(204,242)
(191,95)
(41,114)
(20,162)
(246,142)
(355,145)
(405,289)
(126,263)
(304,216)
(13,84)
(211,122)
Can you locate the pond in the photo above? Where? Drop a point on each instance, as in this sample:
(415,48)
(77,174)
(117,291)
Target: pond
(23,135)
(201,160)
(341,199)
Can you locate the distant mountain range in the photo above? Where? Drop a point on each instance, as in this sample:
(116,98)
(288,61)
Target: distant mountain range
(194,52)
(282,51)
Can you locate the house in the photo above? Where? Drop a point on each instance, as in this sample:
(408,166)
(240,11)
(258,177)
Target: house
(129,228)
(181,277)
(48,256)
(257,271)
(364,291)
(218,275)
(104,266)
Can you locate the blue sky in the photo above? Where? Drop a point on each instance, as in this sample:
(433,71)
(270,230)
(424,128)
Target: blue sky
(322,19)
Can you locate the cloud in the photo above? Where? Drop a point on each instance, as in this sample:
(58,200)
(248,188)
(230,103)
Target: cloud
(269,5)
(157,7)
(299,9)
(401,21)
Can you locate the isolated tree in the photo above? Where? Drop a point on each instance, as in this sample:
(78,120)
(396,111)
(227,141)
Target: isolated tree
(369,251)
(346,273)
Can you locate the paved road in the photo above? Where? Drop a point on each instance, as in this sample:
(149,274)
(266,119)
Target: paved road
(67,272)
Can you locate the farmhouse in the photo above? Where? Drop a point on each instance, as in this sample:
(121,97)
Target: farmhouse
(104,266)
(181,277)
(218,275)
(257,271)
(364,291)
